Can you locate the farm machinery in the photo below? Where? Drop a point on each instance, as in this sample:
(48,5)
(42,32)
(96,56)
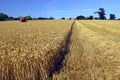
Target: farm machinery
(22,19)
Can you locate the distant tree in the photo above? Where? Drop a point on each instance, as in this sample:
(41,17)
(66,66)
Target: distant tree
(90,17)
(51,18)
(16,18)
(34,18)
(101,13)
(3,16)
(39,18)
(96,18)
(42,18)
(70,18)
(28,18)
(63,18)
(80,17)
(11,18)
(112,17)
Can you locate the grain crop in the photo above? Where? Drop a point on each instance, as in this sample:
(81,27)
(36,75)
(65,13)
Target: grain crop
(94,52)
(28,50)
(60,50)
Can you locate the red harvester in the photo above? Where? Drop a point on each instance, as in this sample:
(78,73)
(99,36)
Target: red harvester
(22,19)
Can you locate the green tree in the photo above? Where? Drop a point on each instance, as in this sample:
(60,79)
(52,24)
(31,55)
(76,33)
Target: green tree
(101,13)
(90,17)
(63,18)
(112,17)
(10,18)
(70,18)
(51,18)
(3,16)
(96,18)
(80,17)
(28,18)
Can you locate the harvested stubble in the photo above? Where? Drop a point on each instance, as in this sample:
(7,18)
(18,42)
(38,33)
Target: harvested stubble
(30,51)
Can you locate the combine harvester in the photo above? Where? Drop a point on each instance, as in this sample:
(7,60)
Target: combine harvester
(22,19)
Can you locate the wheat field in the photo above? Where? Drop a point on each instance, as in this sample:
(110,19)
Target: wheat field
(29,50)
(94,52)
(60,50)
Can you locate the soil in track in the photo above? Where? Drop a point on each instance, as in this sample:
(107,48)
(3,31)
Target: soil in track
(93,55)
(71,63)
(63,51)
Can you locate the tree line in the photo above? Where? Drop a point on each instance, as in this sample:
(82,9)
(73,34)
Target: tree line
(101,16)
(101,13)
(4,17)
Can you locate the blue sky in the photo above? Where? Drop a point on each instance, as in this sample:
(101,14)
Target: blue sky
(58,8)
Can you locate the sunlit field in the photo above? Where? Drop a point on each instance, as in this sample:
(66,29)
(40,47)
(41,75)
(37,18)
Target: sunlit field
(60,50)
(29,50)
(94,52)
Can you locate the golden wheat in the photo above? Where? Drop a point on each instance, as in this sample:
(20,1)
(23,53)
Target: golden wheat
(94,52)
(28,50)
(34,49)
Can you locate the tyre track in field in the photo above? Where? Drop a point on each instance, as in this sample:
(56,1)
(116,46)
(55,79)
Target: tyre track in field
(63,51)
(72,62)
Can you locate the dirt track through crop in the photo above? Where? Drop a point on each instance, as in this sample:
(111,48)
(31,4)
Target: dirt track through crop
(58,65)
(71,62)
